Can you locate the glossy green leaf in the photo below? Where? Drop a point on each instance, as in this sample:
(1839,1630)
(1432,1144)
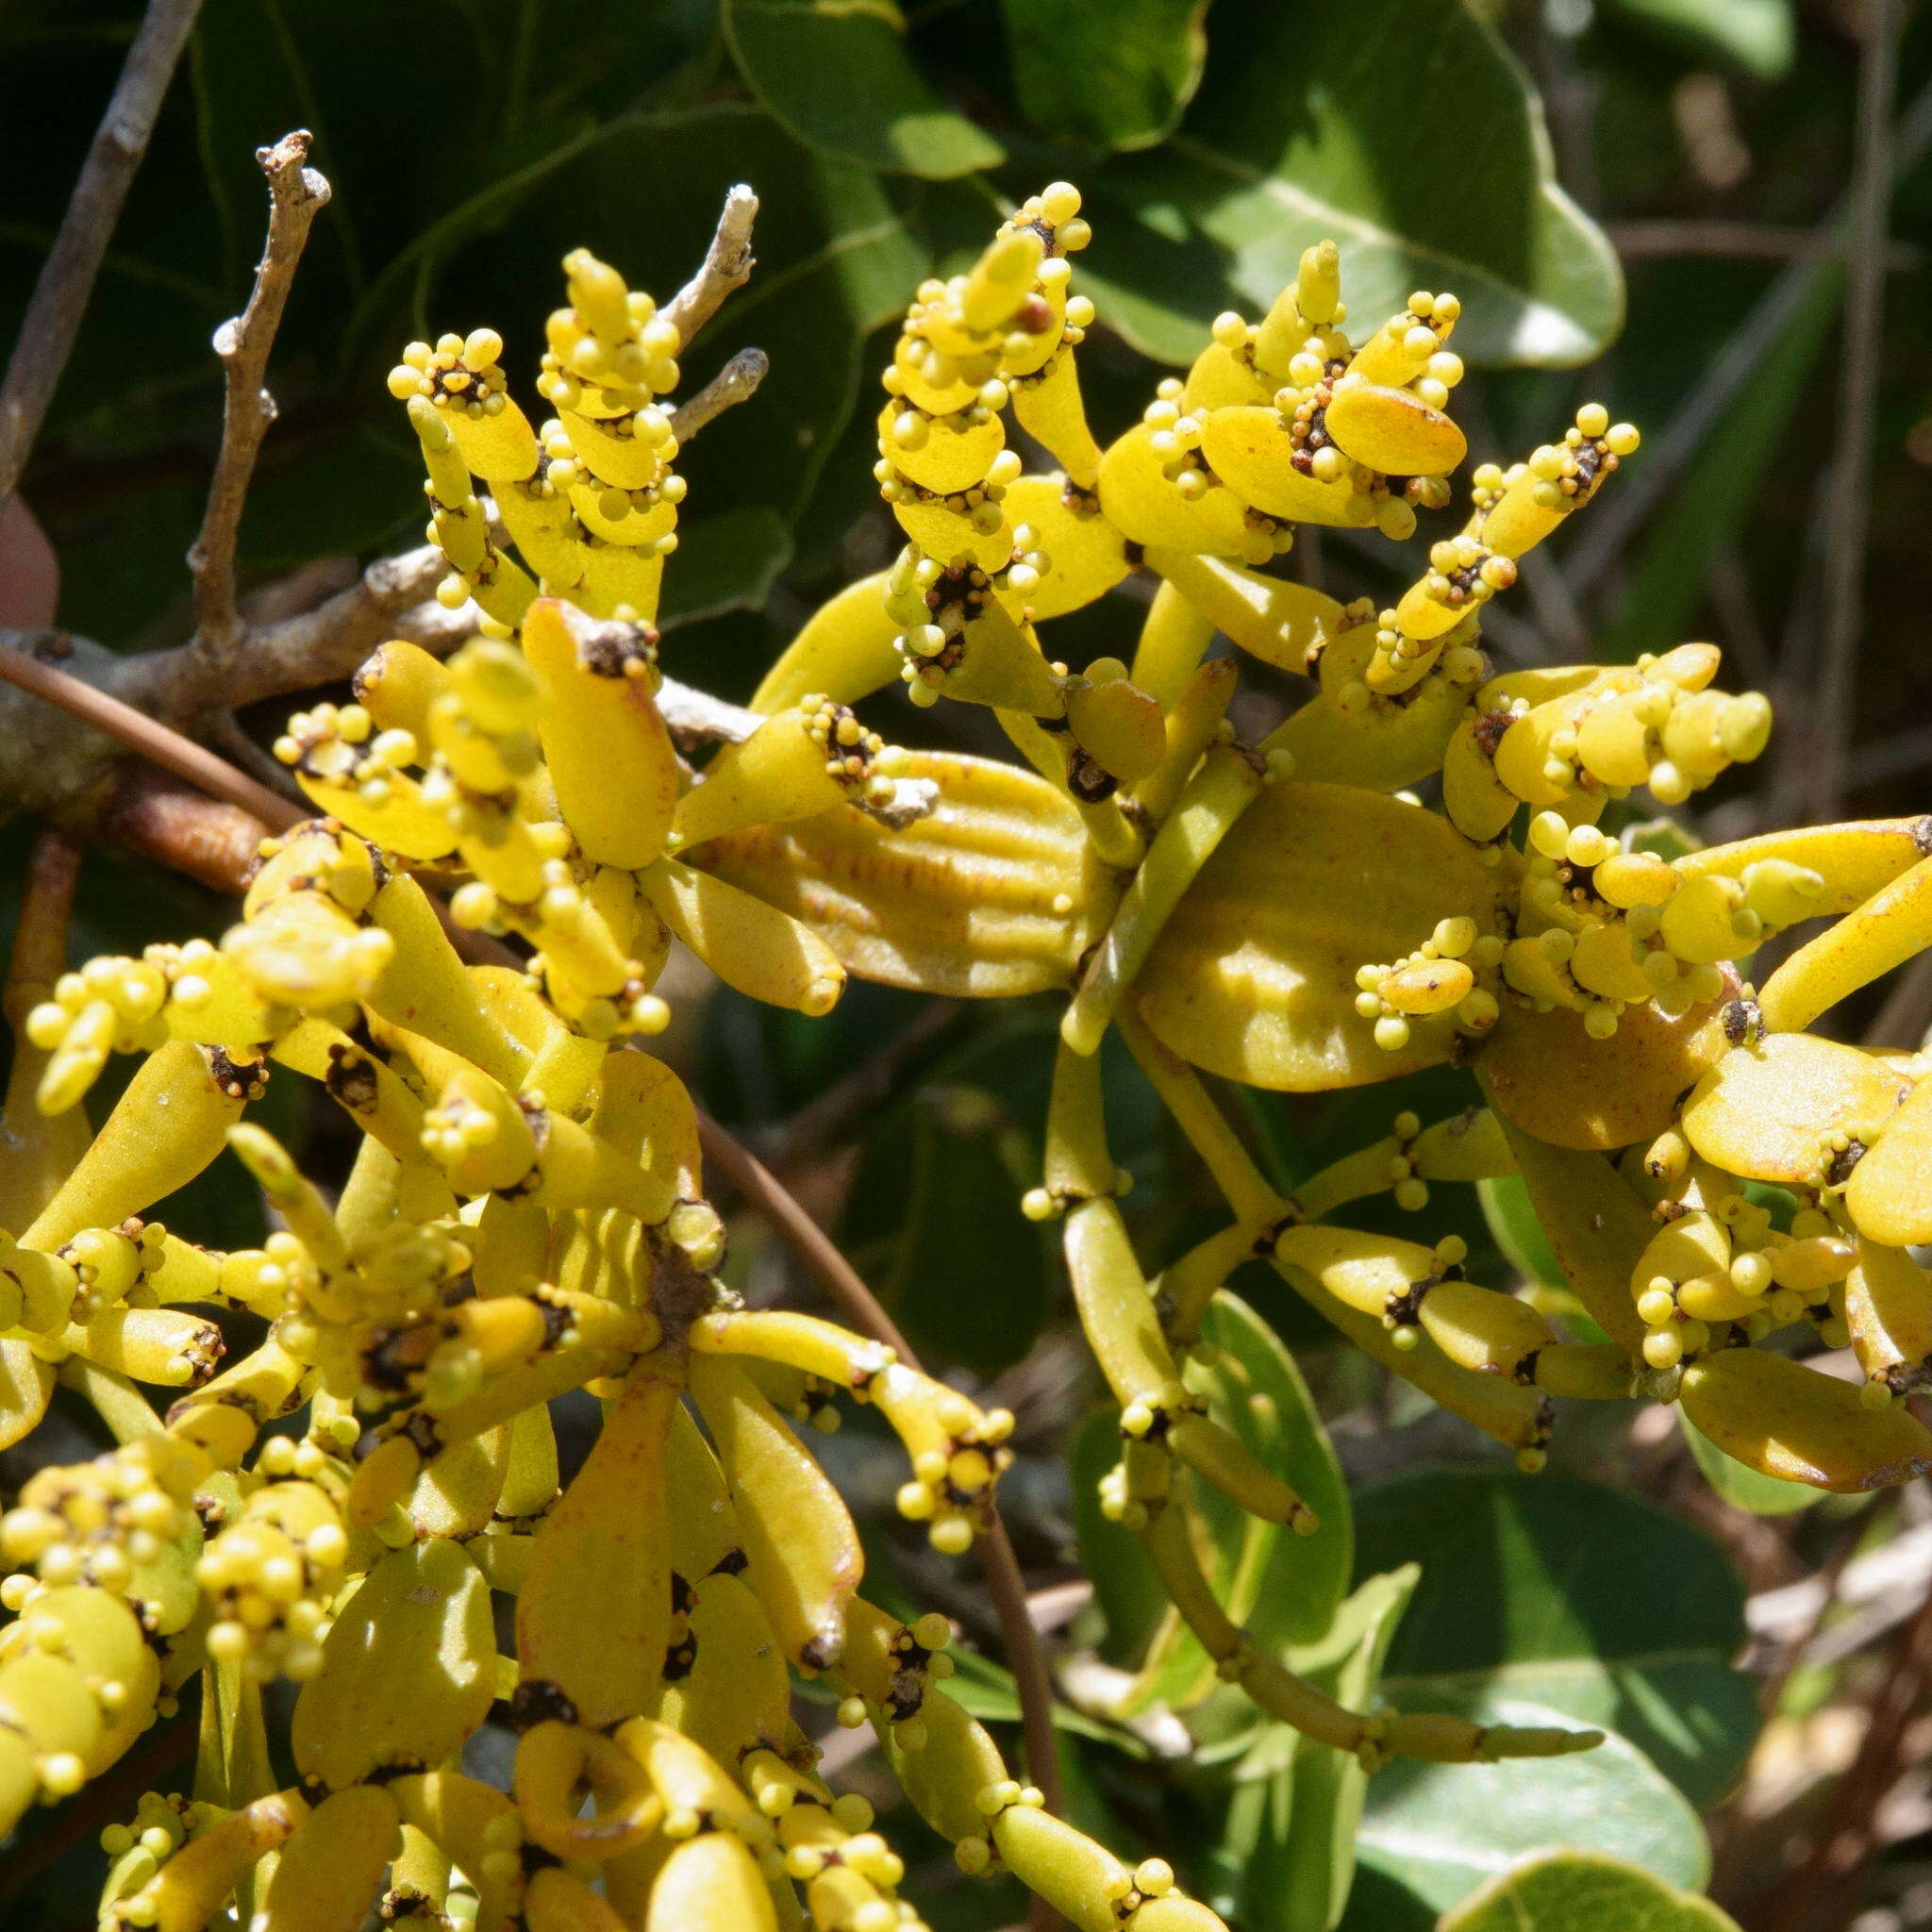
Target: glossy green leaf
(836,73)
(1432,1833)
(1756,35)
(1117,75)
(1287,1856)
(985,1689)
(727,562)
(1518,1232)
(1438,183)
(1256,1391)
(1125,1590)
(1597,1603)
(1281,1587)
(1742,1487)
(1558,1891)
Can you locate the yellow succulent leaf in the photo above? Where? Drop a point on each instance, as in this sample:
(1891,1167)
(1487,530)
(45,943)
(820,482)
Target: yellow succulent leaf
(1251,451)
(1225,379)
(995,894)
(1890,1195)
(950,454)
(420,1619)
(1145,505)
(1254,977)
(1770,1110)
(1856,859)
(1086,555)
(1556,1081)
(1783,1419)
(1394,431)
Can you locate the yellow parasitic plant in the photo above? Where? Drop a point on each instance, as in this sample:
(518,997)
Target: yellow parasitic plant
(526,1214)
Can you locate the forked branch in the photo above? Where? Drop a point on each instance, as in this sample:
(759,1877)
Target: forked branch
(297,193)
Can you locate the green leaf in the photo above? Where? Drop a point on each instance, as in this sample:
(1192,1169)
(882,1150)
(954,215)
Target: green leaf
(985,1689)
(1596,1604)
(1257,1392)
(1282,1587)
(726,562)
(1742,1487)
(1117,75)
(1287,1856)
(1404,129)
(1431,1832)
(1129,1596)
(969,1284)
(1518,1232)
(836,74)
(1756,35)
(1558,1891)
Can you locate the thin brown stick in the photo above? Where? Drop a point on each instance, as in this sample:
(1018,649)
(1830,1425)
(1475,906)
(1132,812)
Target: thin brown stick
(38,956)
(1851,497)
(735,383)
(1748,240)
(297,193)
(66,276)
(1847,1837)
(756,1182)
(108,1798)
(726,269)
(166,748)
(151,812)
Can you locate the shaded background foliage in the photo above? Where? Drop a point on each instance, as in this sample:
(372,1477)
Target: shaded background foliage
(1682,161)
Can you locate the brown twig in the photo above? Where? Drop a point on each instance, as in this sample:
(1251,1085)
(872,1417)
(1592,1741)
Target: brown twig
(1846,1836)
(737,381)
(150,812)
(38,955)
(108,1798)
(297,193)
(727,266)
(66,276)
(1851,467)
(153,741)
(756,1182)
(1749,241)
(824,1120)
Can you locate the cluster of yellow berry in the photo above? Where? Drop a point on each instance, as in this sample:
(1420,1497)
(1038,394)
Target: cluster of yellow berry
(526,1214)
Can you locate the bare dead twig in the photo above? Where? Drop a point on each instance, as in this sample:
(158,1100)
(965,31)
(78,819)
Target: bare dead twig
(297,193)
(38,956)
(734,383)
(1750,240)
(47,757)
(66,276)
(1905,1015)
(825,1120)
(1846,1836)
(726,269)
(150,812)
(166,748)
(859,1307)
(1851,498)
